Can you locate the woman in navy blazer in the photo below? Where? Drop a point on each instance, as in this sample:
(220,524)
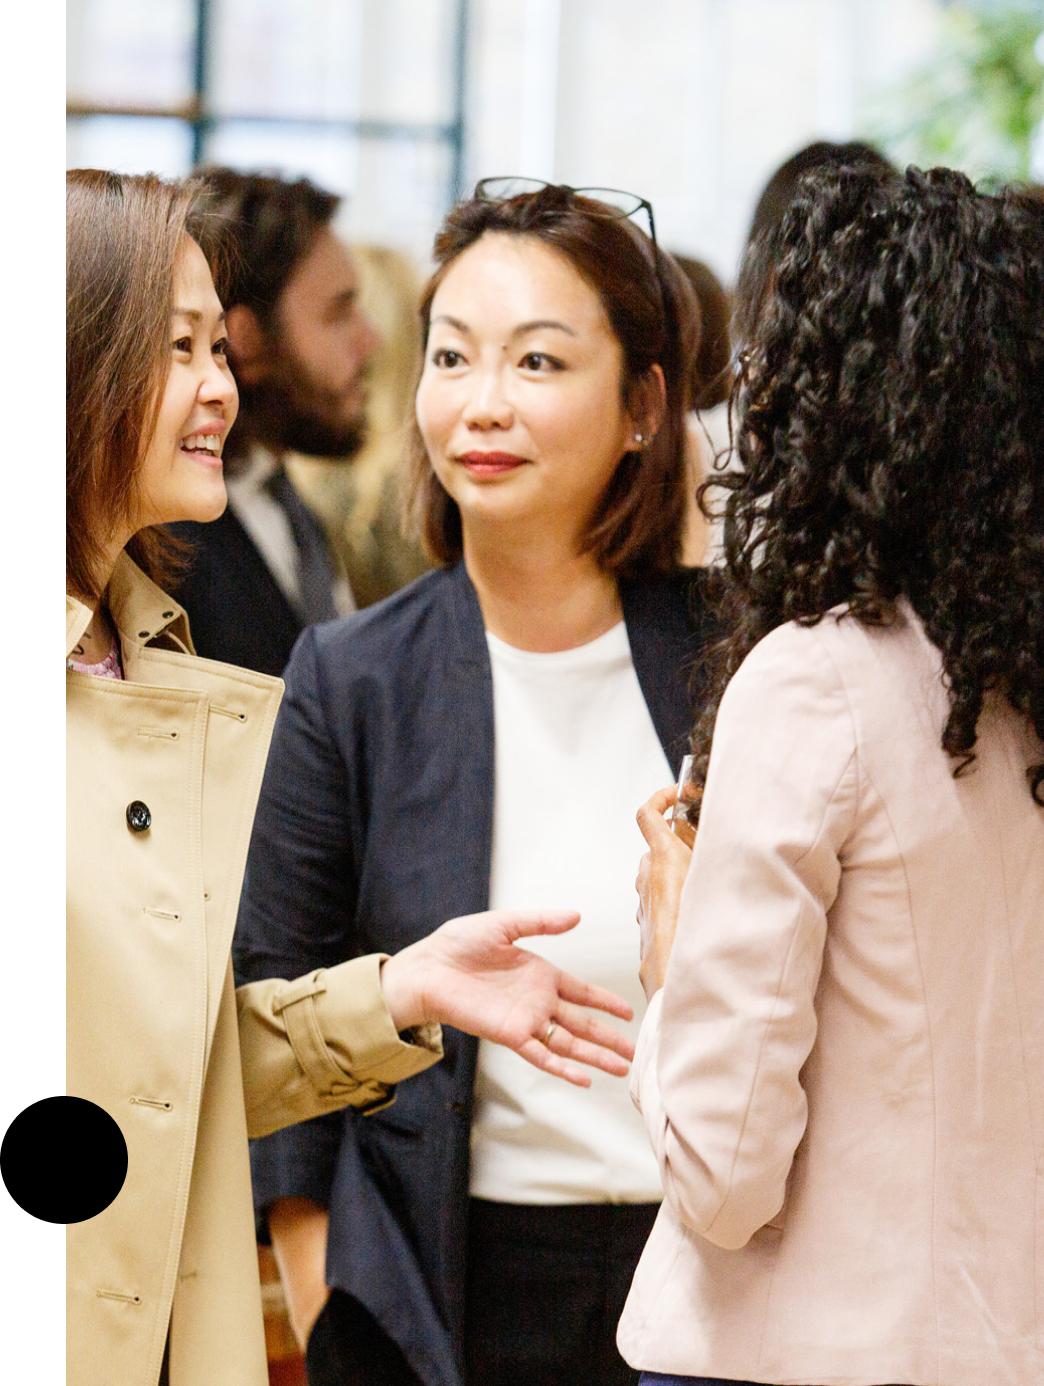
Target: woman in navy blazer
(548,477)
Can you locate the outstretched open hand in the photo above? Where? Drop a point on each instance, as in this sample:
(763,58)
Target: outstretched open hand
(469,974)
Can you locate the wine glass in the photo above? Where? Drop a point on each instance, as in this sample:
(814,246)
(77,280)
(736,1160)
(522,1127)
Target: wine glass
(688,793)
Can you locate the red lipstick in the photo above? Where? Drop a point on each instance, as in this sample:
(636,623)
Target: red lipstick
(491,463)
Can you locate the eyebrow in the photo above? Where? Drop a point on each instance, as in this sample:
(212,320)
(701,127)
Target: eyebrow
(519,331)
(192,313)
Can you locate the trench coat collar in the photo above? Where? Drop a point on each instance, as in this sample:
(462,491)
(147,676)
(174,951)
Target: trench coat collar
(140,610)
(77,619)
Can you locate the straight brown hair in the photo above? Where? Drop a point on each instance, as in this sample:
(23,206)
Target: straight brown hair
(652,310)
(123,236)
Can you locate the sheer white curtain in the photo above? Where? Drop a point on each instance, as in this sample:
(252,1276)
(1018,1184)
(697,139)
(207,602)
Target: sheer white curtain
(692,103)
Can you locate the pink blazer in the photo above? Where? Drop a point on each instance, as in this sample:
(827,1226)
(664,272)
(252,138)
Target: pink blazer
(843,1075)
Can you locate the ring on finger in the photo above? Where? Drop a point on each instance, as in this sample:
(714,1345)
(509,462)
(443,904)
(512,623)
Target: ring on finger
(552,1026)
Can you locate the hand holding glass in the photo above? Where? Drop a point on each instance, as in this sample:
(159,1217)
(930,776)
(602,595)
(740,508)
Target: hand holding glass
(687,793)
(661,875)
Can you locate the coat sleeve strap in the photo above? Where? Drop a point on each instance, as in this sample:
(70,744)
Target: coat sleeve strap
(324,1041)
(306,1039)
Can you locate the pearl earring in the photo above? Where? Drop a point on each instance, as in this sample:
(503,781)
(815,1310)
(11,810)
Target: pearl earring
(639,438)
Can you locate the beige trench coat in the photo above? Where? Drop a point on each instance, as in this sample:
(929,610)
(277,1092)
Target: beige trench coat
(156,1033)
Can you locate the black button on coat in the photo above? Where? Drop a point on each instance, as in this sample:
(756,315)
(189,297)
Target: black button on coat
(139,818)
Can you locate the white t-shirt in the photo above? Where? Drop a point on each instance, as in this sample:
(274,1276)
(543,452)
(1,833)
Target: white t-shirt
(576,755)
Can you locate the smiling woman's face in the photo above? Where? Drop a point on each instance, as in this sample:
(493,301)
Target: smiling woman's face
(520,403)
(181,474)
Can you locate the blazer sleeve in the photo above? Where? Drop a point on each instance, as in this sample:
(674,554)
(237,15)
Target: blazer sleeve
(322,1042)
(296,917)
(717,1069)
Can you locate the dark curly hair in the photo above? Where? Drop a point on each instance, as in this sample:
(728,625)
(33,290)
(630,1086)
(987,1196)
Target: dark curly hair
(891,435)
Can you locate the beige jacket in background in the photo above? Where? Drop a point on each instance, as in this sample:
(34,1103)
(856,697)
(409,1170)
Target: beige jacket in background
(156,1033)
(843,1075)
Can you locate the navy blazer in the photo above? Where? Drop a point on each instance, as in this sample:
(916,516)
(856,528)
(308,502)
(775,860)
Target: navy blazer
(374,826)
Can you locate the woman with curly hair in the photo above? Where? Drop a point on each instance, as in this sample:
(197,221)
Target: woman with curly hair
(842,1067)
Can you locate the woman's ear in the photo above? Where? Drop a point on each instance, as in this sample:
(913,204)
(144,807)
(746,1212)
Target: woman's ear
(648,404)
(247,343)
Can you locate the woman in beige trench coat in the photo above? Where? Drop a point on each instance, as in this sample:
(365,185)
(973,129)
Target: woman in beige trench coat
(164,760)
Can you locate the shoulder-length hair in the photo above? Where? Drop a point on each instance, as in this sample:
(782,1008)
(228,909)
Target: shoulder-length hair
(889,437)
(652,311)
(123,236)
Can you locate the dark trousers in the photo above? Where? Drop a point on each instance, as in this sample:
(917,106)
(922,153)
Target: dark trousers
(546,1288)
(347,1348)
(659,1379)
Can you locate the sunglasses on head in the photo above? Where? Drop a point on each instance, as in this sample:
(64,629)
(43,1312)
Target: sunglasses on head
(615,203)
